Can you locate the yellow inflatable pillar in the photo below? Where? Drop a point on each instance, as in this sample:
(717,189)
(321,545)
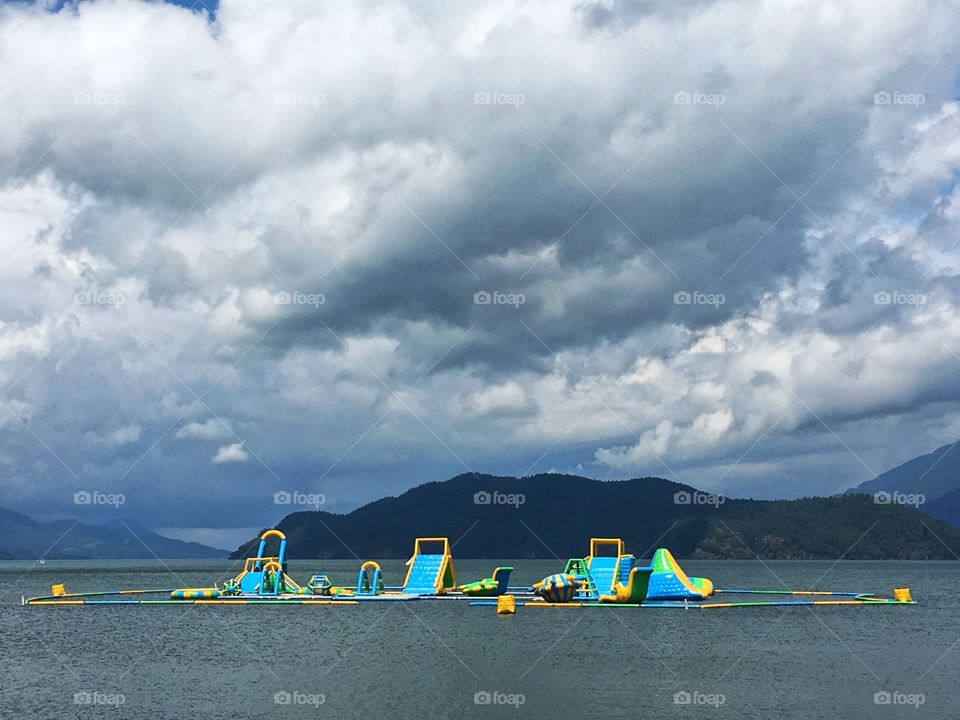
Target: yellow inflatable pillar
(902,595)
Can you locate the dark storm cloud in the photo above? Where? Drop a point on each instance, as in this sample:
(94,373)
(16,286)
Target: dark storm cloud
(313,242)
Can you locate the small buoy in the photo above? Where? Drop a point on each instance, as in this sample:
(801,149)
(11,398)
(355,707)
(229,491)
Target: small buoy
(902,595)
(506,605)
(58,590)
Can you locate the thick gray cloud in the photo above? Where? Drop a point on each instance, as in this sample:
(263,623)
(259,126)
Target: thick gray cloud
(349,248)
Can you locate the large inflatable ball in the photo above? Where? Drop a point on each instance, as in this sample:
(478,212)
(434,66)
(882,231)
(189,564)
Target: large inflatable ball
(557,588)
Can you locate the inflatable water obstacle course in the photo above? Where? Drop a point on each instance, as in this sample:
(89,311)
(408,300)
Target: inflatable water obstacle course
(608,576)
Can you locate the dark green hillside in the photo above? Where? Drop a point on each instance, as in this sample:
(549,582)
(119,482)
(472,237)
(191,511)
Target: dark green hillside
(559,514)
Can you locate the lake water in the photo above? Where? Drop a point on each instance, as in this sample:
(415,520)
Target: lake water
(429,660)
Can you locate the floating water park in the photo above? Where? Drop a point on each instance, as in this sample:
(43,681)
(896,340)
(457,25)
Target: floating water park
(608,576)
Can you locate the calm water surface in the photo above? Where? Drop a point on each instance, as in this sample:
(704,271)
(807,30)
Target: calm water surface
(431,659)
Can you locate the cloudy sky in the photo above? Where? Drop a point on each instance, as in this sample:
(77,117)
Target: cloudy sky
(347,248)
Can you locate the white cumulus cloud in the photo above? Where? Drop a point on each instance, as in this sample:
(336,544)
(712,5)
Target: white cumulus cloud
(231,454)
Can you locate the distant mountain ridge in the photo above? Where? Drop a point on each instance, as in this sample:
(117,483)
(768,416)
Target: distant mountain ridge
(935,477)
(552,515)
(23,538)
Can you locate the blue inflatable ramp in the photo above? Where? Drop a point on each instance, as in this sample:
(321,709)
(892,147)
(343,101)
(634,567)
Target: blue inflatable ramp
(430,569)
(603,564)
